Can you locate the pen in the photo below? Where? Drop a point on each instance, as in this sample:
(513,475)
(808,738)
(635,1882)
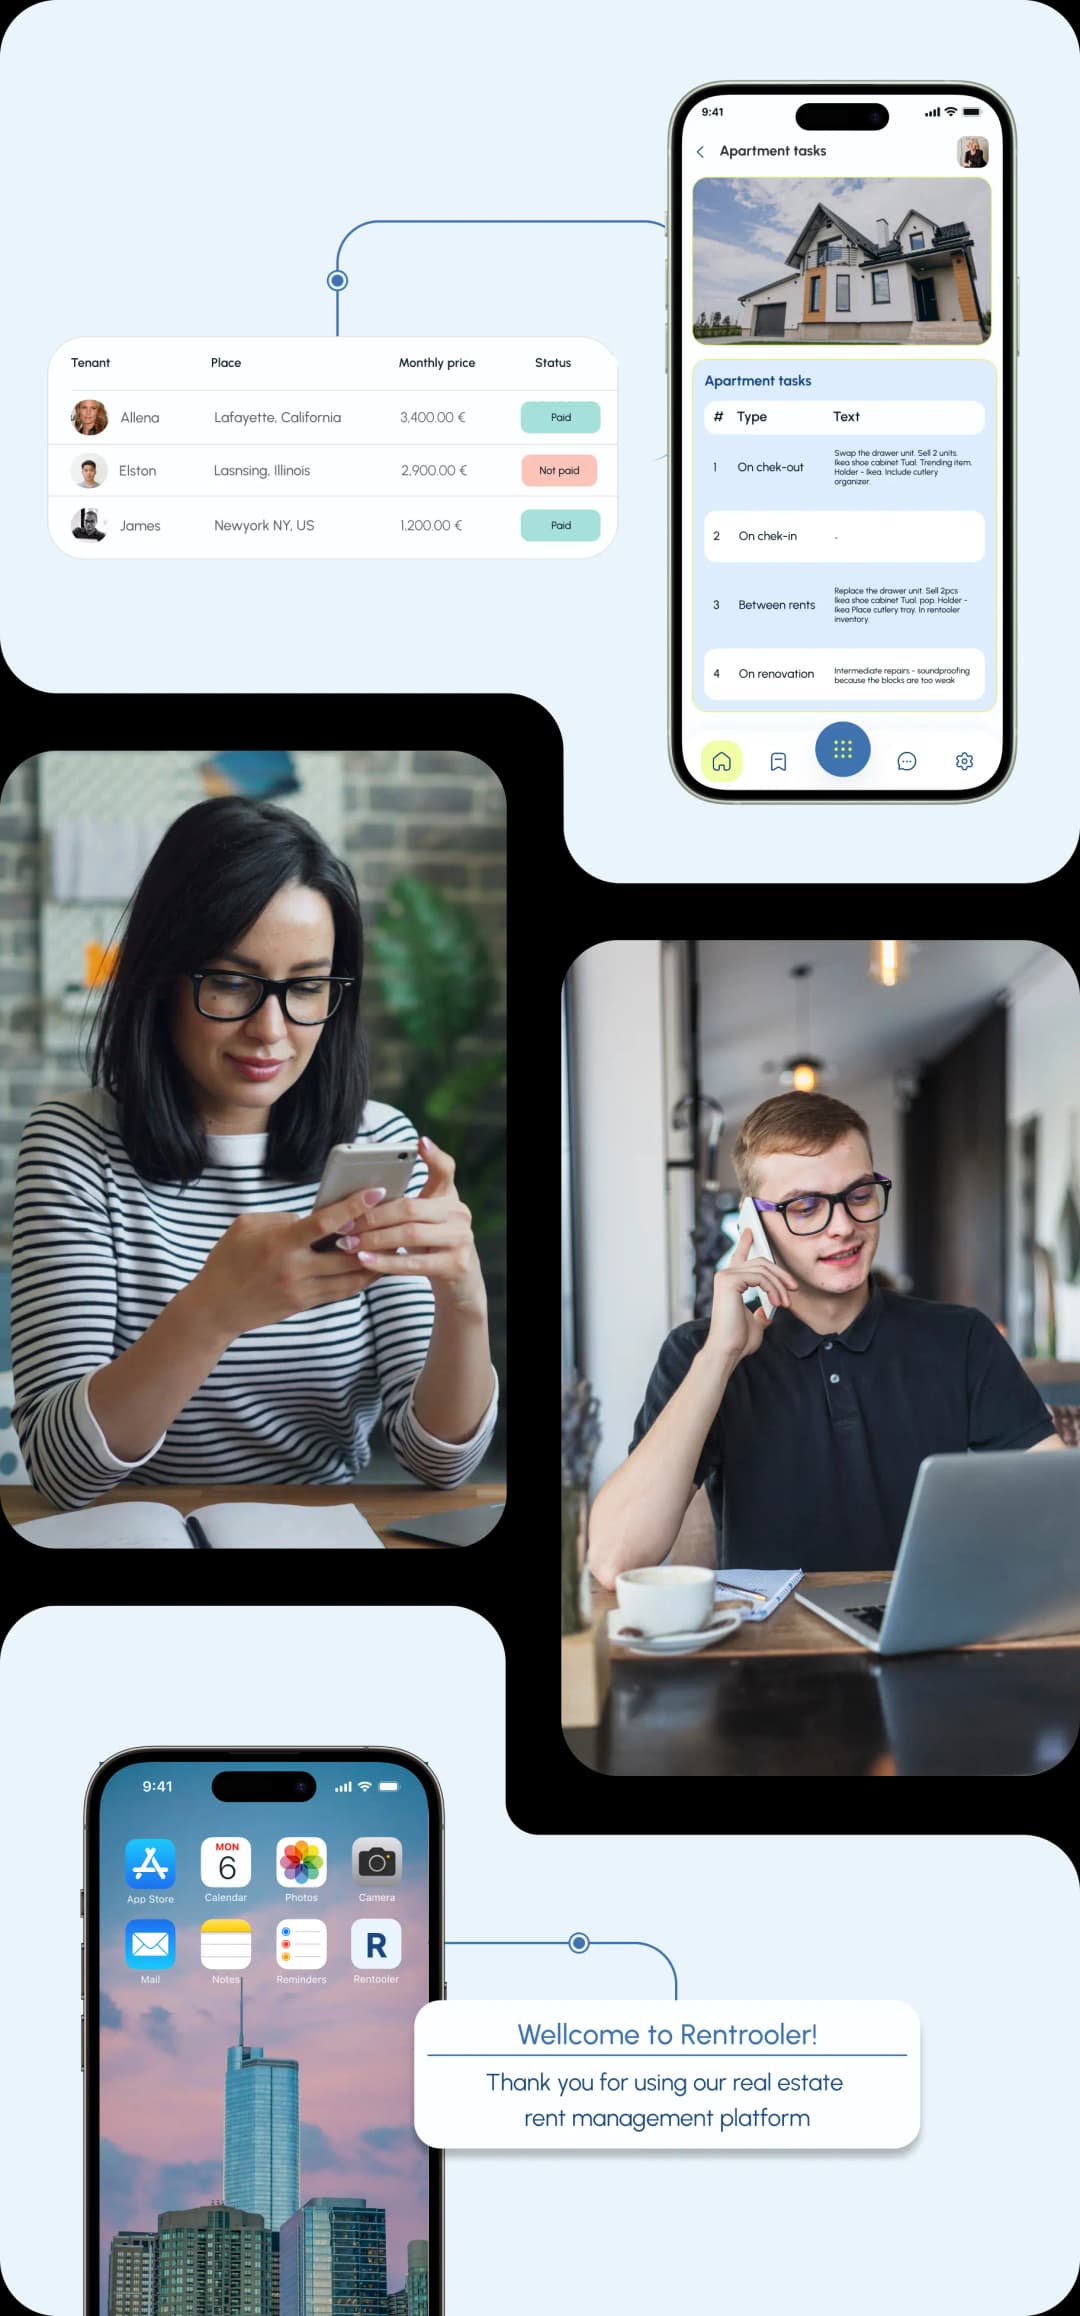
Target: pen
(198,1534)
(742,1591)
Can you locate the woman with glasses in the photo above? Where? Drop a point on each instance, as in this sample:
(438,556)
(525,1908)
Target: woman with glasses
(172,1322)
(807,1429)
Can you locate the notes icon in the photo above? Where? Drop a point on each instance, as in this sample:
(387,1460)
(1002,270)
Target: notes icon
(225,1944)
(301,1945)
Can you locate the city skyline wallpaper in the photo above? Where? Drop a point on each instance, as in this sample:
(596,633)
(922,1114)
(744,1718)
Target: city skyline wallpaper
(168,2021)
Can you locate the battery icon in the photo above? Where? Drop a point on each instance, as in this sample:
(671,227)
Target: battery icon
(388,1785)
(971,112)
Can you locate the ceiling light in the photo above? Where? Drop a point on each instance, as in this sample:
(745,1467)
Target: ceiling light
(889,962)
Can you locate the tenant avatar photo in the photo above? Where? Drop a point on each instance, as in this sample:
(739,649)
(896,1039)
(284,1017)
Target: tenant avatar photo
(89,473)
(86,523)
(89,417)
(812,259)
(973,152)
(255,1212)
(821,1437)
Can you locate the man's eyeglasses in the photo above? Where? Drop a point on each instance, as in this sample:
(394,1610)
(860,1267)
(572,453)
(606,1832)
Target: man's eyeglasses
(865,1201)
(232,996)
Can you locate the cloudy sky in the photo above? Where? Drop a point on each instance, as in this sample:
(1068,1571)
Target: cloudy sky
(744,227)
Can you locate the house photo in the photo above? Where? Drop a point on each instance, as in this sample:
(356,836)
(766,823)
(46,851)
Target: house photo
(908,273)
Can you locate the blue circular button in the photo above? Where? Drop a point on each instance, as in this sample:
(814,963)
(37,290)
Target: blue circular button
(842,749)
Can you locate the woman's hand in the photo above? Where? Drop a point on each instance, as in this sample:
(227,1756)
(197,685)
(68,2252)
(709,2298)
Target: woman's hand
(263,1267)
(434,1228)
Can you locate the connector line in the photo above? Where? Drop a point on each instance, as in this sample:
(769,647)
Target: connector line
(338,281)
(578,1943)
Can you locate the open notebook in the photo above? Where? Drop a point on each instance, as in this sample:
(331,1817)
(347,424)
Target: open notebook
(221,1527)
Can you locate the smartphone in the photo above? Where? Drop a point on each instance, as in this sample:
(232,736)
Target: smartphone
(842,348)
(750,1219)
(358,1166)
(260,1930)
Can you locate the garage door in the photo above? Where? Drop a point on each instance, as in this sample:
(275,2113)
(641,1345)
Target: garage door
(769,321)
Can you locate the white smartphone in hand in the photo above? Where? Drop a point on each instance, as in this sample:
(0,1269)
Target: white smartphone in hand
(750,1219)
(355,1166)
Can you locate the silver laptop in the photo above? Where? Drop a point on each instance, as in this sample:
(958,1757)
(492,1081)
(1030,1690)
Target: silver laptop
(990,1551)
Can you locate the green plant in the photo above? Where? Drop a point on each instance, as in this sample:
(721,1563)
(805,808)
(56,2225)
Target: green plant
(437,979)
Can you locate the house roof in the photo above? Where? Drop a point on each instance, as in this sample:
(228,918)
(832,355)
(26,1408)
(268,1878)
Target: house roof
(851,232)
(767,285)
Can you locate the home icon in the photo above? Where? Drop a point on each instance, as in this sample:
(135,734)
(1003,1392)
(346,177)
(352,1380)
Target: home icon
(721,761)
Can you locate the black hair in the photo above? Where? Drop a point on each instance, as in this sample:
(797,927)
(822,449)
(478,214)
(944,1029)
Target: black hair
(91,462)
(213,873)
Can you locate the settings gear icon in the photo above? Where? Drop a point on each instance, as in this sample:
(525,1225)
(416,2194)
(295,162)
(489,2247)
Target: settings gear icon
(964,762)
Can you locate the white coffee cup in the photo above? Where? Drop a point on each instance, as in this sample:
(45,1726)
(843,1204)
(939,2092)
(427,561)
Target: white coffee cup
(661,1600)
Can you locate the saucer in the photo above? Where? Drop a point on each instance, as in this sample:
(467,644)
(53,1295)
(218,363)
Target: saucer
(676,1644)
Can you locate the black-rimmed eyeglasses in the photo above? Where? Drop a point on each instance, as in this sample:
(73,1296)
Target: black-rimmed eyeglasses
(305,1000)
(865,1201)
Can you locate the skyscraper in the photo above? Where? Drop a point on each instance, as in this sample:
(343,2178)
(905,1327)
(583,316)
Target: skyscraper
(133,2273)
(262,2131)
(333,2258)
(397,2303)
(213,2261)
(417,2286)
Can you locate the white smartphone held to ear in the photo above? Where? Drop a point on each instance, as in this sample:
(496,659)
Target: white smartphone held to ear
(355,1166)
(750,1219)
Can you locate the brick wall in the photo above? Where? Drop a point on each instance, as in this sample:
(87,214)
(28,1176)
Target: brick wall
(438,816)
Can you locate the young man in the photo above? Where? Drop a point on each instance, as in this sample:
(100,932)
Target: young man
(808,1430)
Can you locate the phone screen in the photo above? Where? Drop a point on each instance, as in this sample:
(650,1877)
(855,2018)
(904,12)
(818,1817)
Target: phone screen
(254,1968)
(841,336)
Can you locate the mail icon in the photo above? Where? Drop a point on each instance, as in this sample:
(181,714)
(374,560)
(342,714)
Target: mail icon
(150,1945)
(225,1943)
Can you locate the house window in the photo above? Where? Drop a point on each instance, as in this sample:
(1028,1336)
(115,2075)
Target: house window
(815,293)
(881,288)
(843,293)
(828,252)
(917,241)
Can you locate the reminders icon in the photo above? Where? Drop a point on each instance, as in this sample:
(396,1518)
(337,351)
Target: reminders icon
(225,1944)
(301,1945)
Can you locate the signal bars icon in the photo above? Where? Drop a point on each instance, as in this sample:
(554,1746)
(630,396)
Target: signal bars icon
(346,1788)
(364,1784)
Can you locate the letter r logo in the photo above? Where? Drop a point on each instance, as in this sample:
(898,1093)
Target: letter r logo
(376,1944)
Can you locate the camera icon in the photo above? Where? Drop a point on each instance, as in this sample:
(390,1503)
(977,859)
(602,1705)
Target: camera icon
(376,1861)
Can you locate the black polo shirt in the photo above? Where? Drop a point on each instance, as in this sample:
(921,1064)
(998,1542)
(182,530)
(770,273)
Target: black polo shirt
(813,1453)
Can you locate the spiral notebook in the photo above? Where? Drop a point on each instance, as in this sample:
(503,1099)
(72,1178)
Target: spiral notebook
(775,1583)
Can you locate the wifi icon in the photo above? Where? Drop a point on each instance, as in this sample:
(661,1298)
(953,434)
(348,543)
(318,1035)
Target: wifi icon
(950,109)
(364,1784)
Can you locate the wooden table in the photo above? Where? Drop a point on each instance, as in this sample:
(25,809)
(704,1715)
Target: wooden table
(377,1504)
(794,1697)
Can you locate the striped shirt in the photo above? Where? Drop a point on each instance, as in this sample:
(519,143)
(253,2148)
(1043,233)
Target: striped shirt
(97,1254)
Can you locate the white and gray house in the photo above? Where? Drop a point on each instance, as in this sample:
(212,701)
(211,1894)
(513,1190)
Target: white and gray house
(916,283)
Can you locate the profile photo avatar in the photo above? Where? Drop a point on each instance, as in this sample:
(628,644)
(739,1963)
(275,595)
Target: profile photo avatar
(90,417)
(973,152)
(86,523)
(88,474)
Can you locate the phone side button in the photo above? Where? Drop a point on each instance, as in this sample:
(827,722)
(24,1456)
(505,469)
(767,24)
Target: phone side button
(82,1990)
(80,1905)
(82,2046)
